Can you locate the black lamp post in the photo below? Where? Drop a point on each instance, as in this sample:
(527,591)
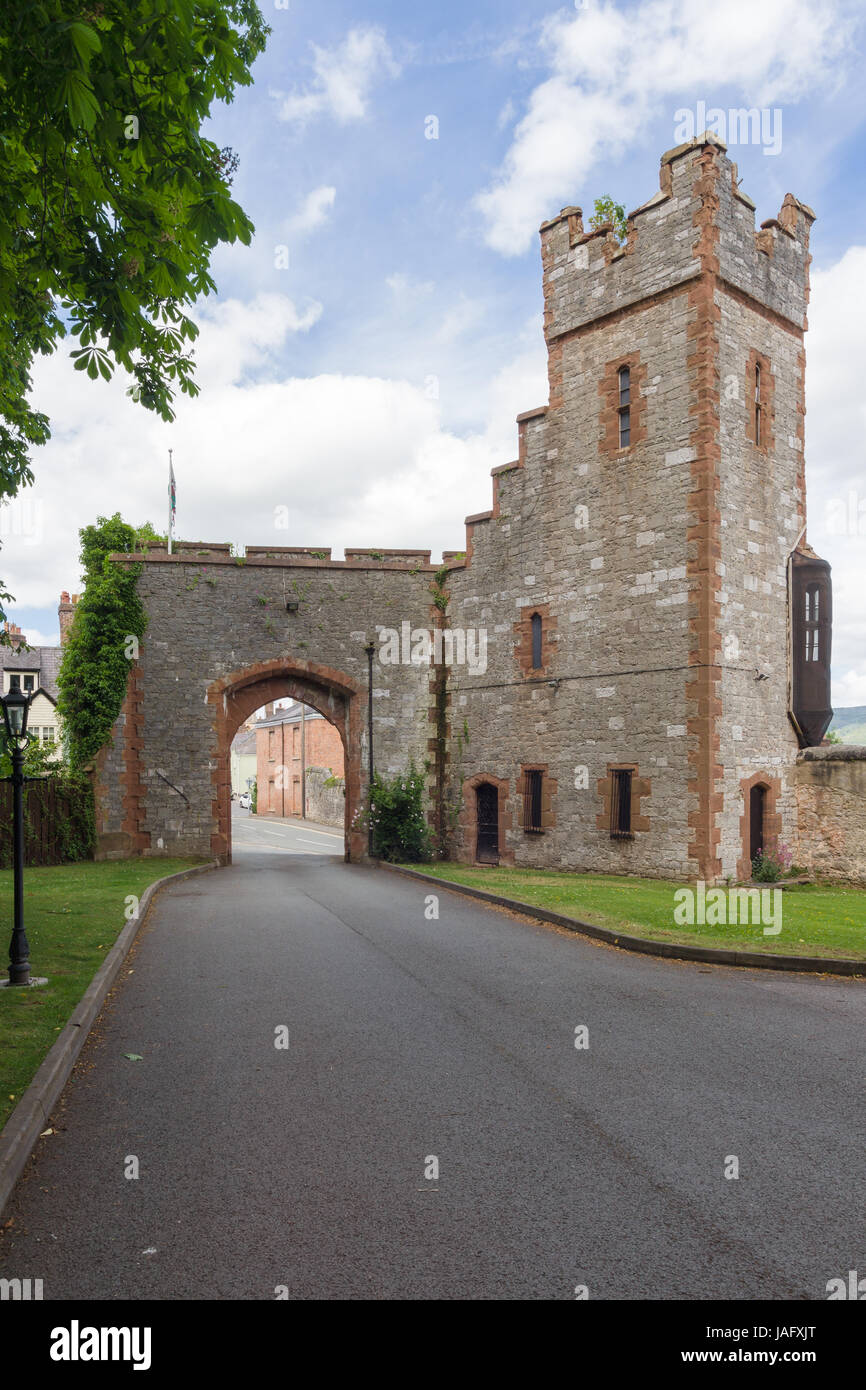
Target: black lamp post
(16,707)
(370,649)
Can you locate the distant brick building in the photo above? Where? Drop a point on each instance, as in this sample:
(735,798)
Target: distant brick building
(626,668)
(35,672)
(297,751)
(243,760)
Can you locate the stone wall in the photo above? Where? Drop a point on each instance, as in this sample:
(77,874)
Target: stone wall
(830,790)
(327,805)
(224,645)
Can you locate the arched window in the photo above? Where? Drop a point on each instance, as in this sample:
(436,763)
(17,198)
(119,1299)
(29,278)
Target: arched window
(624,407)
(537,663)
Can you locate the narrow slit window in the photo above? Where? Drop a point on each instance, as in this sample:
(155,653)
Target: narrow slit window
(757,403)
(620,804)
(536,642)
(532,802)
(624,407)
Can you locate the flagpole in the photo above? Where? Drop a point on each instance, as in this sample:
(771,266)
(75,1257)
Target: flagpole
(170,499)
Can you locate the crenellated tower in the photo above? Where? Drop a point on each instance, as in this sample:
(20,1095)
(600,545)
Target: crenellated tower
(649,525)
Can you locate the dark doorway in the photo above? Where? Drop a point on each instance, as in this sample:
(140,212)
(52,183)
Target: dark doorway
(487,812)
(757,800)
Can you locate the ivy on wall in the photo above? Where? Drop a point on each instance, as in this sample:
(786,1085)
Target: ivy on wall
(103,641)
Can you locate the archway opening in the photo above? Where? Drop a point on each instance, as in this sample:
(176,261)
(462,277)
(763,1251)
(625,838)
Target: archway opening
(329,693)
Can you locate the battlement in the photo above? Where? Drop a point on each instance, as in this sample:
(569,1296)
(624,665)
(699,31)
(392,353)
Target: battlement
(208,553)
(699,222)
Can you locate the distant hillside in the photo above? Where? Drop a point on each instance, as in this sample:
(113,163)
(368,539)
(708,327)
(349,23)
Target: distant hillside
(850,723)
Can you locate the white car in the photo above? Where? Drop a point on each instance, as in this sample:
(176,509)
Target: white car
(245,801)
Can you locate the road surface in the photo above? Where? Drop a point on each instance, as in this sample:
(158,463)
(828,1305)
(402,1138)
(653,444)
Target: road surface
(419,1044)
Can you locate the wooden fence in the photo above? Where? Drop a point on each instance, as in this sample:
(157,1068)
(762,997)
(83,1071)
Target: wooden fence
(58,823)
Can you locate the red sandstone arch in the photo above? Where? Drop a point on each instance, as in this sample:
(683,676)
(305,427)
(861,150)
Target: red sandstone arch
(235,697)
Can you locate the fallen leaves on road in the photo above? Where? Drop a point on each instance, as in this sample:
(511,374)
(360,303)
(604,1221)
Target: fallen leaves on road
(134,1056)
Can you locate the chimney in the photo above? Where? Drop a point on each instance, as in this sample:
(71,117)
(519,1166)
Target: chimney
(65,613)
(15,635)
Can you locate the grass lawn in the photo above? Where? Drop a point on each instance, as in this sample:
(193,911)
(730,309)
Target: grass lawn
(815,920)
(73,914)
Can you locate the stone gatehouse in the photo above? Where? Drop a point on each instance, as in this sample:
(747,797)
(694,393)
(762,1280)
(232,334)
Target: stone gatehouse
(619,670)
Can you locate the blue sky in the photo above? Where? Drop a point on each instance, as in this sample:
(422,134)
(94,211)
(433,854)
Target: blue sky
(371,384)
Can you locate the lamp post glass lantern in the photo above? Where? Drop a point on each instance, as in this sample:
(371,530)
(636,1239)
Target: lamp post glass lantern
(16,707)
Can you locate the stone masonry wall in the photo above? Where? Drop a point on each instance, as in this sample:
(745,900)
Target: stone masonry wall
(830,790)
(220,622)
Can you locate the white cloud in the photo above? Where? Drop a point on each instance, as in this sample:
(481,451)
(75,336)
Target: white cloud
(36,638)
(313,211)
(461,317)
(611,71)
(506,115)
(344,78)
(407,291)
(835,457)
(850,688)
(357,460)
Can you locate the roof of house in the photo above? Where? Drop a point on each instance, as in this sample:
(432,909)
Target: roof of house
(288,716)
(44,660)
(244,742)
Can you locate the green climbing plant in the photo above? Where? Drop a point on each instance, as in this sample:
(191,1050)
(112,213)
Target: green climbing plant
(103,641)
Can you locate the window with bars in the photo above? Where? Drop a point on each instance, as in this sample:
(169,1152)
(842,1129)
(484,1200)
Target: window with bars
(532,801)
(537,663)
(620,804)
(624,407)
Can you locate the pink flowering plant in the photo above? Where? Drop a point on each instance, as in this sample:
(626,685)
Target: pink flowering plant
(771,863)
